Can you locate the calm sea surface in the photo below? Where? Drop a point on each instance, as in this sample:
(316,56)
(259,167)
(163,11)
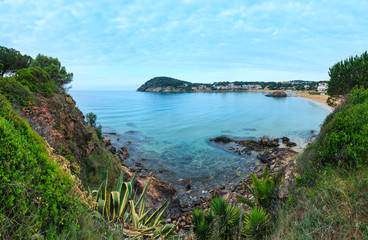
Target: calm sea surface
(164,131)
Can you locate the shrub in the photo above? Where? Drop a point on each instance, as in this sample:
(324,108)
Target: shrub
(53,67)
(17,94)
(37,80)
(256,223)
(345,139)
(91,119)
(202,224)
(347,74)
(221,223)
(36,196)
(265,192)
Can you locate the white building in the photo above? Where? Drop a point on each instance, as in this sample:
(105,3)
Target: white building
(322,87)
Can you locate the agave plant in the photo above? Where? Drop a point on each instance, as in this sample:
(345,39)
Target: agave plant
(121,207)
(264,190)
(256,223)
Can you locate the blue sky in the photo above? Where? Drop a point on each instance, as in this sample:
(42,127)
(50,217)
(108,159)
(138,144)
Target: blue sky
(118,45)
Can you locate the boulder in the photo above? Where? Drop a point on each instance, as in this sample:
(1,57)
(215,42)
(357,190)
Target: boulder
(285,140)
(291,144)
(277,94)
(267,142)
(277,155)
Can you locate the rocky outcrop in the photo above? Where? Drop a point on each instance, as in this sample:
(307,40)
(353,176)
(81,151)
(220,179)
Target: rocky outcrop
(109,147)
(277,94)
(268,149)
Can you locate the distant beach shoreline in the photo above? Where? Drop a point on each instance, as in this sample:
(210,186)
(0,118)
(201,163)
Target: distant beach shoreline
(321,99)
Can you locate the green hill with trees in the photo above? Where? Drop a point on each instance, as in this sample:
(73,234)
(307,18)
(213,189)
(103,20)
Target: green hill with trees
(163,83)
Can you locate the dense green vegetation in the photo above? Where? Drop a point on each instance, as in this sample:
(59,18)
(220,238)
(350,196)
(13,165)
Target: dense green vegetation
(16,93)
(11,60)
(231,221)
(330,200)
(163,82)
(53,67)
(347,74)
(37,198)
(37,80)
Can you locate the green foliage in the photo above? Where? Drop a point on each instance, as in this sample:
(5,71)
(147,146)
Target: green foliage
(347,74)
(36,196)
(226,218)
(221,223)
(53,67)
(202,224)
(11,60)
(121,207)
(91,119)
(163,82)
(343,138)
(265,192)
(256,223)
(37,80)
(17,94)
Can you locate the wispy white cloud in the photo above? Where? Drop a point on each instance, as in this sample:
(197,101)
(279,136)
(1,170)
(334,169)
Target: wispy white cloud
(188,38)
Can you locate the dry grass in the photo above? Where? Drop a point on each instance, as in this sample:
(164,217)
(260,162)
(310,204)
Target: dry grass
(336,208)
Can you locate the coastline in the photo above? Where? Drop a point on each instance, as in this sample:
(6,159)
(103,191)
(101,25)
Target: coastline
(320,99)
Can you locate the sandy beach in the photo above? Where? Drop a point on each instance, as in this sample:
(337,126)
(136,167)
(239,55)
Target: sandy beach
(316,98)
(303,94)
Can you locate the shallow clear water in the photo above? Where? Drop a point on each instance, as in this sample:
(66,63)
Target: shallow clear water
(170,131)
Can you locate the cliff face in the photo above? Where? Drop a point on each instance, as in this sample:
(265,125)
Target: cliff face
(61,124)
(85,154)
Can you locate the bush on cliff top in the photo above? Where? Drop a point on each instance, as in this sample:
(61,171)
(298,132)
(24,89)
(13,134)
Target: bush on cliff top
(17,94)
(36,196)
(343,139)
(37,80)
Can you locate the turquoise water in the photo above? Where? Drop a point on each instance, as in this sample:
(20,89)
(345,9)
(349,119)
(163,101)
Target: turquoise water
(170,131)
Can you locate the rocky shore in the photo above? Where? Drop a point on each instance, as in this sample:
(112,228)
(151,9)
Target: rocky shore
(277,154)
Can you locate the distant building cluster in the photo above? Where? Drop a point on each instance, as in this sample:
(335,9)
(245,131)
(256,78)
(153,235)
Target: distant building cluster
(239,87)
(322,87)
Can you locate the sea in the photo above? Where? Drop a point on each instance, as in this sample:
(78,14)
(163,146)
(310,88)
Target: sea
(168,133)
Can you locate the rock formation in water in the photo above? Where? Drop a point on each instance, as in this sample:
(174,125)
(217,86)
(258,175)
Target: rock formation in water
(277,94)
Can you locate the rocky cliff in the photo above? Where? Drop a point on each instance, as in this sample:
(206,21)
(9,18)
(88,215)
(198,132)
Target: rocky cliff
(72,139)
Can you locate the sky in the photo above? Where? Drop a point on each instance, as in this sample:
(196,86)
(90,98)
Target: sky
(119,45)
